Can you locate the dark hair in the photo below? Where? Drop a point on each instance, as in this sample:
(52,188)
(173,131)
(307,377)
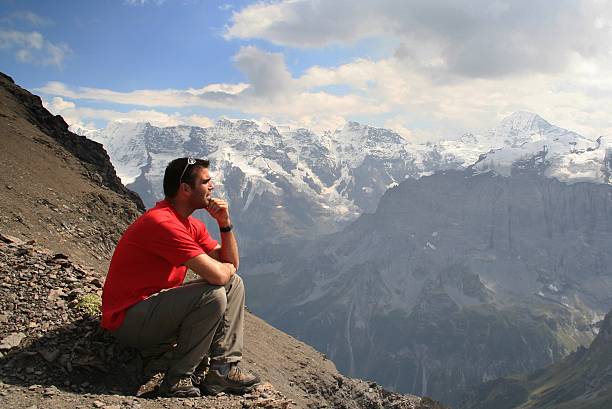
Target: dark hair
(173,174)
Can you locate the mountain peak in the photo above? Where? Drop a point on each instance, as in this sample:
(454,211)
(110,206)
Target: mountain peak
(523,121)
(127,126)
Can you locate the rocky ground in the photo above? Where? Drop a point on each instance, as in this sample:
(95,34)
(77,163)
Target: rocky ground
(54,354)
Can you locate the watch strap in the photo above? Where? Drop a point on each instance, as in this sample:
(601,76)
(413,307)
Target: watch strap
(226,228)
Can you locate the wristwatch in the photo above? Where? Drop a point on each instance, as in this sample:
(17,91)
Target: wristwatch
(226,228)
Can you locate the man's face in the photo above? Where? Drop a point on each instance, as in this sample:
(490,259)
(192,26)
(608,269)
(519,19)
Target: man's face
(202,190)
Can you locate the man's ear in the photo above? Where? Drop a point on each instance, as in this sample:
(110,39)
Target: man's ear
(184,187)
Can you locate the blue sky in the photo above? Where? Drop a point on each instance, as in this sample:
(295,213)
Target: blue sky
(425,69)
(128,46)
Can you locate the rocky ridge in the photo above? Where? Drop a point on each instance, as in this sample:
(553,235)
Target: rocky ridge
(92,155)
(73,206)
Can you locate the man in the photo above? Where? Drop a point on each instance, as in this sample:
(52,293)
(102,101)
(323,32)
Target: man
(146,305)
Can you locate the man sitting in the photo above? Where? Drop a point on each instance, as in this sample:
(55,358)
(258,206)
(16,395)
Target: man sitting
(177,325)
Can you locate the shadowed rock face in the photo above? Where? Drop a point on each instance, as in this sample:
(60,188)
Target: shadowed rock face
(457,278)
(57,188)
(579,381)
(91,153)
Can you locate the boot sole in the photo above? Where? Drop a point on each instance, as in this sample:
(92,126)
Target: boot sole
(186,394)
(217,389)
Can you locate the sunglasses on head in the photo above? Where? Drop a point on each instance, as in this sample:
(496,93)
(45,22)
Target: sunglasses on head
(190,161)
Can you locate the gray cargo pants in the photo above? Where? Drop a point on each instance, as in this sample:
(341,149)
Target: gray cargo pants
(201,319)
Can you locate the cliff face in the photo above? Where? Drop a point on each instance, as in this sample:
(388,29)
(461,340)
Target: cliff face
(458,278)
(57,188)
(91,154)
(580,381)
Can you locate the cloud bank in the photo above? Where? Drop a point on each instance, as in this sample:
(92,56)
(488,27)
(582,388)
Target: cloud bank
(454,65)
(467,38)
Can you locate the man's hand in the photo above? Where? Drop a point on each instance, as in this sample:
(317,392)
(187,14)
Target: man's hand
(231,269)
(219,210)
(228,251)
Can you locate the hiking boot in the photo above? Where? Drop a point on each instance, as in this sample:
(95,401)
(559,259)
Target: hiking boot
(199,374)
(150,386)
(182,388)
(230,378)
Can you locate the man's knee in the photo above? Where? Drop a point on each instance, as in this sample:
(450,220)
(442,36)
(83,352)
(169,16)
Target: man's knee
(235,284)
(215,302)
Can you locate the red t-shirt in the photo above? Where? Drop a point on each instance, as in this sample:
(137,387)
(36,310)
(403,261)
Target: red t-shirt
(149,258)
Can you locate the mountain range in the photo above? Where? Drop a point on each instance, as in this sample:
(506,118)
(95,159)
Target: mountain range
(286,182)
(428,267)
(457,278)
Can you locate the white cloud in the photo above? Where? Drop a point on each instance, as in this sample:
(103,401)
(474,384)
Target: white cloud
(58,105)
(426,108)
(144,2)
(312,109)
(27,17)
(305,23)
(55,54)
(24,55)
(74,115)
(466,38)
(31,47)
(212,96)
(10,38)
(266,72)
(385,92)
(271,92)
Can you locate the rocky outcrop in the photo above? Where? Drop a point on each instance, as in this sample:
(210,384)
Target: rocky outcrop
(57,188)
(92,154)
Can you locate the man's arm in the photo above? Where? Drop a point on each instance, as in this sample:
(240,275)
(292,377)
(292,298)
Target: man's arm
(228,252)
(211,270)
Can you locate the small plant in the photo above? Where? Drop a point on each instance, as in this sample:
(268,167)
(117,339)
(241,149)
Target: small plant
(90,304)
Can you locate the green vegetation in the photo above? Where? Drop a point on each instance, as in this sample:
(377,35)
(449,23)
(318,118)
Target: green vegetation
(90,304)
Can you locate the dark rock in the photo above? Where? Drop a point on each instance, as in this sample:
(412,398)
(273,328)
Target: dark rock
(91,153)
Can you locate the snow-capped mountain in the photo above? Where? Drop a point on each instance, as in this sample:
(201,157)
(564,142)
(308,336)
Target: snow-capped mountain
(294,182)
(320,165)
(291,183)
(453,262)
(523,138)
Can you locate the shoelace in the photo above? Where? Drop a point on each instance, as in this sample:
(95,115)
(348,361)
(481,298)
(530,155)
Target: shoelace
(235,373)
(185,382)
